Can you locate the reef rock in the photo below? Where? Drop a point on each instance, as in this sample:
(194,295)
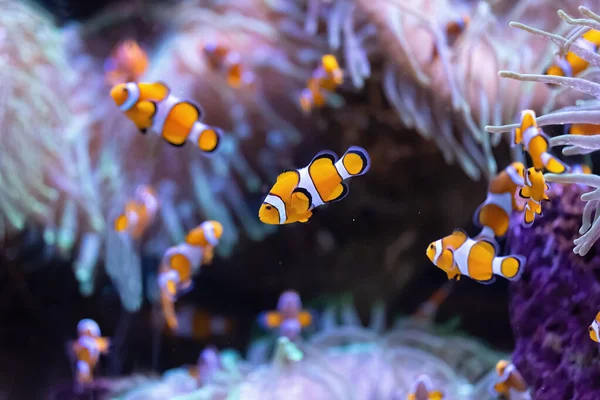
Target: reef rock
(555,301)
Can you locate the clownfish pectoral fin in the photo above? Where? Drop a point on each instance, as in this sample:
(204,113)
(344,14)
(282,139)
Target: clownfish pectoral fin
(301,200)
(525,192)
(306,217)
(338,193)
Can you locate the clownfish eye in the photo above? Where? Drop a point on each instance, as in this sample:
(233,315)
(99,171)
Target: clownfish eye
(268,207)
(590,329)
(528,172)
(125,90)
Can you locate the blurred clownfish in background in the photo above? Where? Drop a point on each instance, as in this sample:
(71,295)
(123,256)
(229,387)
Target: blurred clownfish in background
(427,310)
(297,192)
(493,215)
(457,255)
(87,349)
(509,383)
(535,142)
(325,78)
(127,63)
(582,129)
(199,324)
(139,213)
(594,329)
(534,191)
(454,28)
(422,389)
(181,262)
(209,363)
(289,318)
(151,107)
(571,64)
(230,62)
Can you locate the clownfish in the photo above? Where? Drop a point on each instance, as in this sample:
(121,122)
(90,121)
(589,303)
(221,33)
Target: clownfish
(325,78)
(453,30)
(493,215)
(426,311)
(594,330)
(181,262)
(535,142)
(582,129)
(509,383)
(458,254)
(139,213)
(151,106)
(127,63)
(199,324)
(290,318)
(534,191)
(222,57)
(297,192)
(422,389)
(87,348)
(571,64)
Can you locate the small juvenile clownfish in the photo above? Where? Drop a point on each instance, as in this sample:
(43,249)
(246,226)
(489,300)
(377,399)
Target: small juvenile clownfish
(509,383)
(535,142)
(493,215)
(457,255)
(422,389)
(297,192)
(534,191)
(453,30)
(139,213)
(571,64)
(594,329)
(582,129)
(198,324)
(87,348)
(222,57)
(325,78)
(290,318)
(151,106)
(181,262)
(426,311)
(127,63)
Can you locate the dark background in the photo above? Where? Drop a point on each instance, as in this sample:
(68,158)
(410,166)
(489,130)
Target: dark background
(40,304)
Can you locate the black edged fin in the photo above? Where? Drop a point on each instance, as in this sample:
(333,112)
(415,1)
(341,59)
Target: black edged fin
(494,245)
(177,145)
(198,109)
(364,156)
(489,281)
(488,245)
(521,195)
(345,191)
(305,193)
(325,154)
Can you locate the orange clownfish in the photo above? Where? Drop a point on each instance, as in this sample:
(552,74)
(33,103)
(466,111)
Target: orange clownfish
(582,129)
(297,192)
(127,63)
(571,64)
(534,191)
(509,383)
(493,215)
(87,348)
(453,30)
(139,213)
(290,318)
(181,262)
(457,255)
(198,324)
(422,389)
(151,107)
(535,142)
(222,57)
(594,330)
(326,78)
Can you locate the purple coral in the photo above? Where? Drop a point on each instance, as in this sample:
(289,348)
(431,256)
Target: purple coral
(555,301)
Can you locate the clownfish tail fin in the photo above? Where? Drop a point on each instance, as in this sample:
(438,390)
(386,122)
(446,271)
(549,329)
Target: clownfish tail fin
(553,164)
(354,162)
(510,267)
(209,138)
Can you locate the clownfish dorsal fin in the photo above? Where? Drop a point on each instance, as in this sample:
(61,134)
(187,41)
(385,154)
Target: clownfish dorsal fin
(289,174)
(460,233)
(325,154)
(488,246)
(301,200)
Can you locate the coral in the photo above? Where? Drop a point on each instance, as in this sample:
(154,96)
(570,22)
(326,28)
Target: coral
(584,112)
(554,303)
(342,360)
